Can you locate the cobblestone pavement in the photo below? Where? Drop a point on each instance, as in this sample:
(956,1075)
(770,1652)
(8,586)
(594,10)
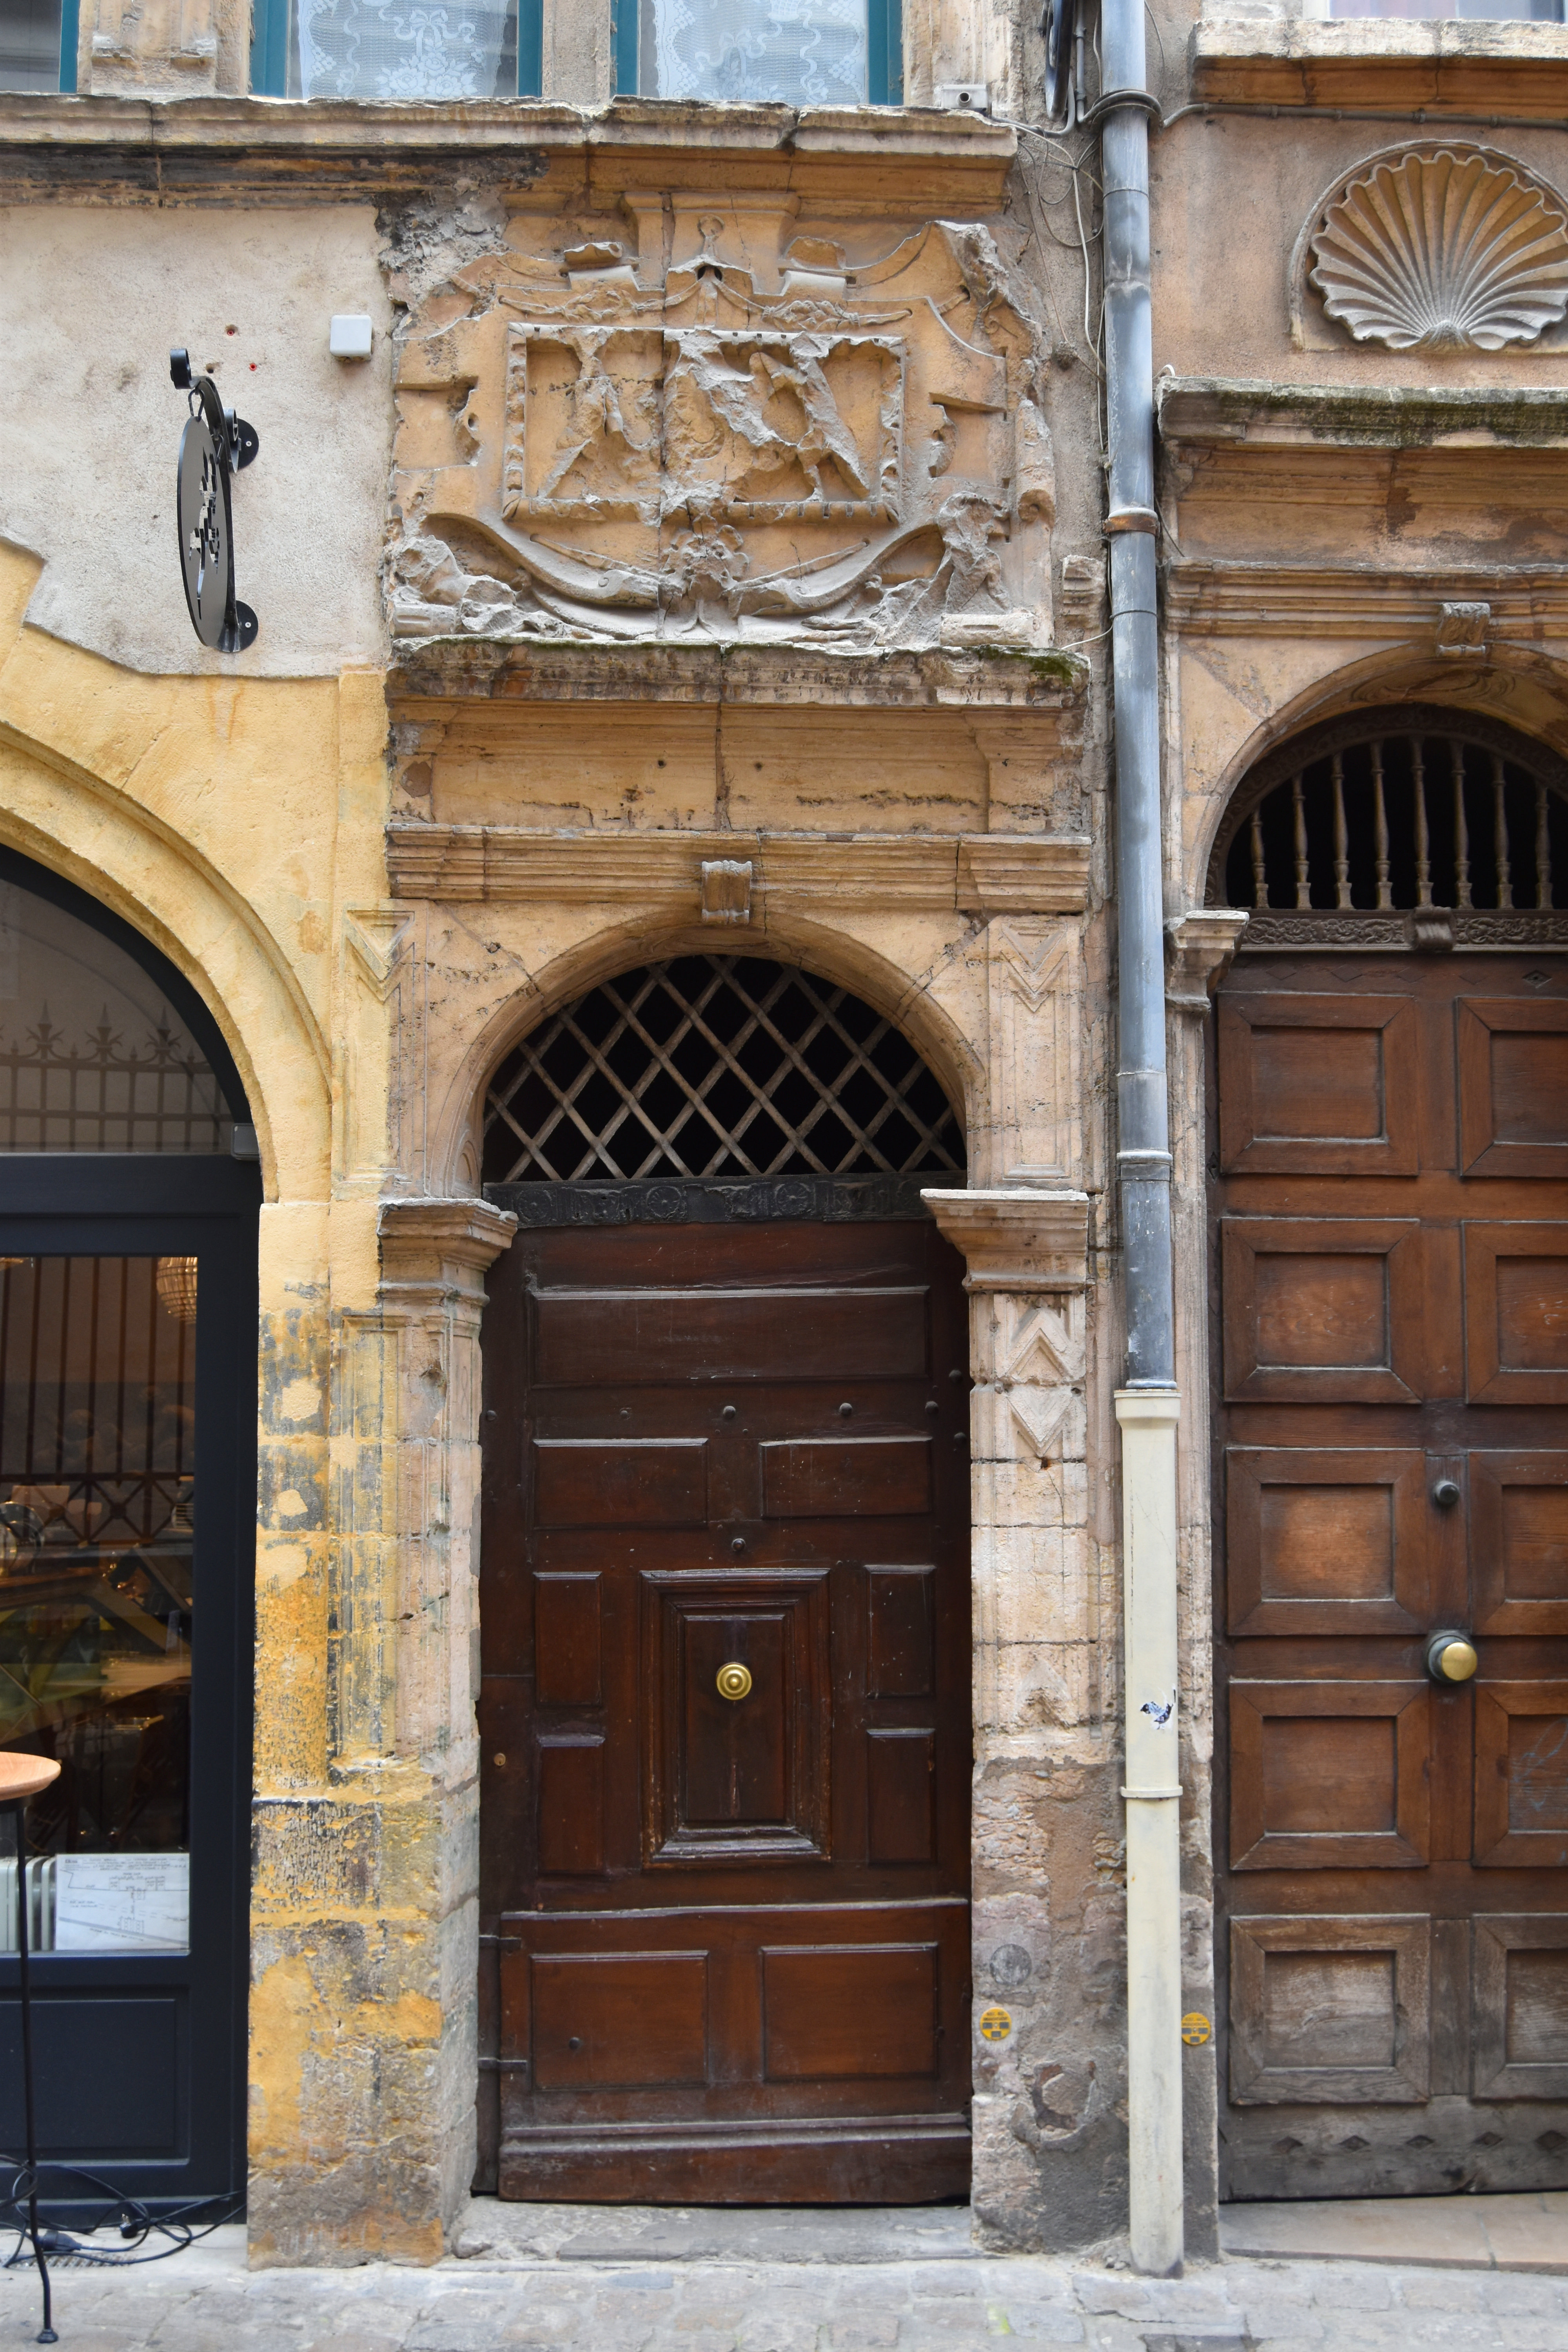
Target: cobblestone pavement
(205,2300)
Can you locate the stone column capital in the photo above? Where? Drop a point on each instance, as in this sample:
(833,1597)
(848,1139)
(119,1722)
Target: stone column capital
(1199,945)
(440,1246)
(1018,1241)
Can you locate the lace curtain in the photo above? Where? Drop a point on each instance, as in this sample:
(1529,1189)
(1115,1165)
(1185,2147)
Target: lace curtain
(403,48)
(785,52)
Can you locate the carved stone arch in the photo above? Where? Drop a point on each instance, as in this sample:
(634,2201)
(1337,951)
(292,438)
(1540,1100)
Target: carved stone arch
(1404,824)
(901,996)
(1516,686)
(72,822)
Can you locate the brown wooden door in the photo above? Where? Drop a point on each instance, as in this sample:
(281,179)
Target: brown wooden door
(727,1936)
(1390,1187)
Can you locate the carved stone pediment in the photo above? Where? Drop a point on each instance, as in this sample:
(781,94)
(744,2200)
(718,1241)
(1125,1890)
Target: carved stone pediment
(725,429)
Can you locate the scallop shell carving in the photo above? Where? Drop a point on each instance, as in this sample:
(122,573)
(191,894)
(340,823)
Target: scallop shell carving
(1443,252)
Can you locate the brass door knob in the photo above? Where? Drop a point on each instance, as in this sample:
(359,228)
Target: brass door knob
(734,1680)
(1451,1657)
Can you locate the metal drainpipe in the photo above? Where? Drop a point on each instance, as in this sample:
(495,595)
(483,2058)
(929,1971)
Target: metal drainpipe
(1148,1406)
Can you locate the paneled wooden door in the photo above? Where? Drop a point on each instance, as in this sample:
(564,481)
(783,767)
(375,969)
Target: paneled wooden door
(1390,1186)
(725,1716)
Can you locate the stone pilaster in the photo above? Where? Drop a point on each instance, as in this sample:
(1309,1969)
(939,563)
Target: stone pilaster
(1049,2161)
(1199,945)
(367,1910)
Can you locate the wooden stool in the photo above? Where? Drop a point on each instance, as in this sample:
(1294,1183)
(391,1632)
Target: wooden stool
(22,1777)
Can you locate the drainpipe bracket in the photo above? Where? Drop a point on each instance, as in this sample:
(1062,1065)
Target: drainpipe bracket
(1111,100)
(1133,518)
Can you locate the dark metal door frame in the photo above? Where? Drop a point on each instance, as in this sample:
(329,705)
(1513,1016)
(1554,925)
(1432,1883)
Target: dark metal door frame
(111,1205)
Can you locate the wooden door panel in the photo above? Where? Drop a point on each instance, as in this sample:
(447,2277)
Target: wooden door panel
(1519,1541)
(629,1482)
(1326,1541)
(1391,1227)
(1512,1087)
(900,1794)
(604,2021)
(1321,1086)
(1521,2005)
(846,1477)
(1330,2011)
(569,1779)
(694,1440)
(900,1612)
(840,2008)
(1328,1775)
(1516,1313)
(731,1781)
(1521,1774)
(1323,1310)
(849,2013)
(638,1336)
(568,1657)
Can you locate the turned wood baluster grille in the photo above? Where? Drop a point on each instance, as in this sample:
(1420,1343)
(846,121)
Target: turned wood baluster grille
(715,1066)
(1409,819)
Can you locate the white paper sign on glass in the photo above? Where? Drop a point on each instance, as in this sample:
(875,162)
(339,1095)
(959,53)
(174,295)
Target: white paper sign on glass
(122,1902)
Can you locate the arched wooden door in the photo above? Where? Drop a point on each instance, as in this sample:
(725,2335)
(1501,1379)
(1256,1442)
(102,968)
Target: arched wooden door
(1389,1179)
(724,1715)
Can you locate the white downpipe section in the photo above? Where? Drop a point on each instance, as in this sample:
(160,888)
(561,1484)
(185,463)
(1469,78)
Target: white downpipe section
(1148,1418)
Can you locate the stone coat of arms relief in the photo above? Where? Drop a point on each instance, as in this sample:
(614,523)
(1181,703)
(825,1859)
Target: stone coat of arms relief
(721,430)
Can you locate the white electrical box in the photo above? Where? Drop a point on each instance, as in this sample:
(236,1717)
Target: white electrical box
(351,337)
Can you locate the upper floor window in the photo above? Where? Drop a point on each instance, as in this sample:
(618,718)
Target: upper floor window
(761,52)
(752,52)
(38,44)
(1540,11)
(392,49)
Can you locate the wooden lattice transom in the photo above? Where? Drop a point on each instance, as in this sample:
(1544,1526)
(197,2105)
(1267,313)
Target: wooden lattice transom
(717,1066)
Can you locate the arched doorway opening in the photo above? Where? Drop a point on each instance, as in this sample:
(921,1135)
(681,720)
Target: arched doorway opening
(724,1715)
(128,1193)
(1389,1198)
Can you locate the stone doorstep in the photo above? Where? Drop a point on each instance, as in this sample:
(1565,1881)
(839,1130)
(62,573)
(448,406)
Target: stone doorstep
(491,2232)
(1511,2232)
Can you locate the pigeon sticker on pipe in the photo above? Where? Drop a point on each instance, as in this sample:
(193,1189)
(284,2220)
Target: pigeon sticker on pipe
(1159,1710)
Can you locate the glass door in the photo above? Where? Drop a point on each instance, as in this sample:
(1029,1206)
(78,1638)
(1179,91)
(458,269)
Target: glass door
(128,1194)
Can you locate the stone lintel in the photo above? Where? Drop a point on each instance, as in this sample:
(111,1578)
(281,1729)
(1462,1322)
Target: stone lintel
(1400,65)
(1295,600)
(969,873)
(1017,1241)
(442,670)
(213,149)
(432,1246)
(1199,945)
(1205,411)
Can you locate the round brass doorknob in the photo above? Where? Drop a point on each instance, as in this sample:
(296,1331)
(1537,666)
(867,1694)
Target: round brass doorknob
(1451,1658)
(734,1681)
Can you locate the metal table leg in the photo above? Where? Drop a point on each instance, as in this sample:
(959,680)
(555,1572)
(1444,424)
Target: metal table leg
(16,1808)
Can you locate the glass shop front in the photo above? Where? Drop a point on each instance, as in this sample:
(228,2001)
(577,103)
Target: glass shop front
(127,1205)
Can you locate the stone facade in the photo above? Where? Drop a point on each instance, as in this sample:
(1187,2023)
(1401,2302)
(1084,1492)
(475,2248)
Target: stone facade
(733,479)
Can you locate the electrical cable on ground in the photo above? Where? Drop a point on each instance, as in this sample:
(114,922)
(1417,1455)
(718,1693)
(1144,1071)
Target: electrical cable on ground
(137,2223)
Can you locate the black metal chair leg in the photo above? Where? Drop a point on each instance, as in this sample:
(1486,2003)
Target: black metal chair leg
(46,2334)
